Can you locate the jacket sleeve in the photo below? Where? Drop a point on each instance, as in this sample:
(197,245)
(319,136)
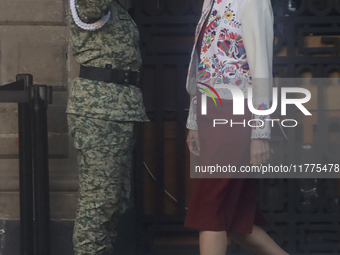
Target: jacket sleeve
(92,10)
(192,117)
(258,35)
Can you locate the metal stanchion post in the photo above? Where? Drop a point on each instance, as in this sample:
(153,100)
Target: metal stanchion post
(33,162)
(25,171)
(41,174)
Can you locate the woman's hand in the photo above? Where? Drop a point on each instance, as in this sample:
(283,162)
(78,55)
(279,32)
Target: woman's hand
(259,151)
(193,142)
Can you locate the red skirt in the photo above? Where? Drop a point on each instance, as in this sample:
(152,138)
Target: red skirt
(219,204)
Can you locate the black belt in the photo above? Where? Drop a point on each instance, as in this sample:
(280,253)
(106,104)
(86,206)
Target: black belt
(119,76)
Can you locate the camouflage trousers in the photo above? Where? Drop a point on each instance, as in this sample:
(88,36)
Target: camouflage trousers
(105,162)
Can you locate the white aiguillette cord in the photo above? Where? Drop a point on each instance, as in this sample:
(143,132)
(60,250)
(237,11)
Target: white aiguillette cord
(90,27)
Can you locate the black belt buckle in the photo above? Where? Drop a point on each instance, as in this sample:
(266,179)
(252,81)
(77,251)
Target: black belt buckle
(128,77)
(121,76)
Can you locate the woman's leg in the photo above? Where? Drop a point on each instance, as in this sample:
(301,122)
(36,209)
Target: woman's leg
(258,242)
(213,242)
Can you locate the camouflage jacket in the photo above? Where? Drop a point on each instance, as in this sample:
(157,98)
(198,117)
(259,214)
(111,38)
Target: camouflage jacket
(117,44)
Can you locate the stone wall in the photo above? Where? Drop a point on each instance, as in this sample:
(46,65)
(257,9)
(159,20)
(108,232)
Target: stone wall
(34,39)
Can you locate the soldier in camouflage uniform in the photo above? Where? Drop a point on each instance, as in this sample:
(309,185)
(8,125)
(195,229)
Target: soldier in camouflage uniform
(101,118)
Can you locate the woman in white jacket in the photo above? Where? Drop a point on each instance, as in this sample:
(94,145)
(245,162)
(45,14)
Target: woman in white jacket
(233,45)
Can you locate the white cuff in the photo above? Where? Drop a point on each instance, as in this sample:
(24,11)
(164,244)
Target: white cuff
(192,117)
(261,129)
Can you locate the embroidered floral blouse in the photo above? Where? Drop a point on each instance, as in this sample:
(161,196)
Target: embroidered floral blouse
(237,48)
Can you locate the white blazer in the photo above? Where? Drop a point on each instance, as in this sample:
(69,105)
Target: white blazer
(239,45)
